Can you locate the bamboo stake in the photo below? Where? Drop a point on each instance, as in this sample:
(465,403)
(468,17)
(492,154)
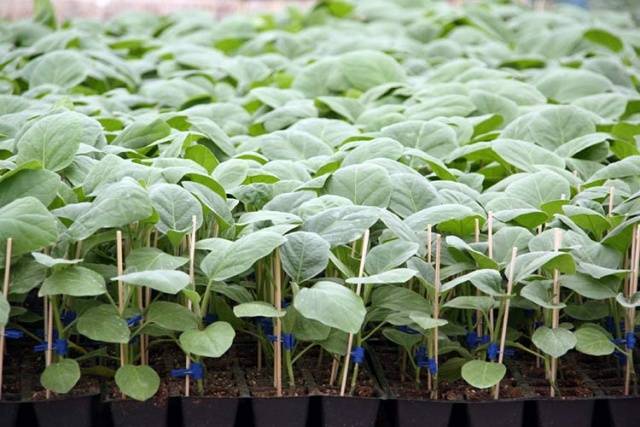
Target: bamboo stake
(555,313)
(121,296)
(5,291)
(611,192)
(478,312)
(278,344)
(334,371)
(49,355)
(631,313)
(429,245)
(347,357)
(490,234)
(436,315)
(505,318)
(192,277)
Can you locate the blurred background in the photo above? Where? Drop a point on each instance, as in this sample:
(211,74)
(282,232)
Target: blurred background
(103,9)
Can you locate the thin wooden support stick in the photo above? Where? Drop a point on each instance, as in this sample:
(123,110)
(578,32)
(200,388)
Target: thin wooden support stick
(121,296)
(278,296)
(611,193)
(436,315)
(347,357)
(192,278)
(555,314)
(631,312)
(49,355)
(5,291)
(505,319)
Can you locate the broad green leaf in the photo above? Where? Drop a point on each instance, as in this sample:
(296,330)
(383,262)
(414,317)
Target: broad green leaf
(29,224)
(142,259)
(237,257)
(165,281)
(176,208)
(52,140)
(481,374)
(138,382)
(61,377)
(102,323)
(554,342)
(341,225)
(256,309)
(213,341)
(5,310)
(487,280)
(331,304)
(49,262)
(425,321)
(304,255)
(363,184)
(142,133)
(41,184)
(171,316)
(471,303)
(73,281)
(117,205)
(64,68)
(593,340)
(396,275)
(389,255)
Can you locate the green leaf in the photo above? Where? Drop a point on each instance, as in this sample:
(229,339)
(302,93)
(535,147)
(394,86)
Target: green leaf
(341,225)
(171,316)
(41,184)
(593,340)
(50,262)
(332,304)
(142,259)
(364,184)
(425,321)
(213,341)
(142,133)
(117,205)
(631,302)
(528,264)
(29,224)
(487,280)
(165,281)
(176,208)
(554,342)
(397,275)
(256,309)
(304,255)
(102,323)
(481,374)
(5,310)
(232,258)
(73,281)
(389,255)
(64,68)
(137,382)
(481,303)
(61,377)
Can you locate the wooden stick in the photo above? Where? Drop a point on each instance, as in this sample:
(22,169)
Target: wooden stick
(347,357)
(631,312)
(436,314)
(611,192)
(505,319)
(278,344)
(429,243)
(49,355)
(192,277)
(5,291)
(490,234)
(478,312)
(334,371)
(121,302)
(555,313)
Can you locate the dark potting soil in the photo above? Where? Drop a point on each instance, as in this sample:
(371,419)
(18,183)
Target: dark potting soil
(405,387)
(310,376)
(87,386)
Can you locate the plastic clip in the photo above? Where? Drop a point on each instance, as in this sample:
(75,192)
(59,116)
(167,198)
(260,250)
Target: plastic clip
(358,355)
(60,346)
(134,321)
(13,334)
(196,371)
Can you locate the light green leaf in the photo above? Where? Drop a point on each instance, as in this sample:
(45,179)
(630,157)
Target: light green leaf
(213,341)
(554,342)
(166,281)
(102,323)
(73,281)
(397,275)
(304,255)
(171,316)
(137,382)
(481,374)
(363,184)
(257,309)
(594,341)
(61,377)
(331,304)
(142,259)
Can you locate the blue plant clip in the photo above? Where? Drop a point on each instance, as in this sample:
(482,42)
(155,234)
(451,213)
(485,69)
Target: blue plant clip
(630,340)
(432,365)
(196,371)
(288,341)
(210,318)
(67,317)
(60,346)
(265,324)
(492,351)
(407,330)
(13,334)
(473,340)
(134,321)
(358,355)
